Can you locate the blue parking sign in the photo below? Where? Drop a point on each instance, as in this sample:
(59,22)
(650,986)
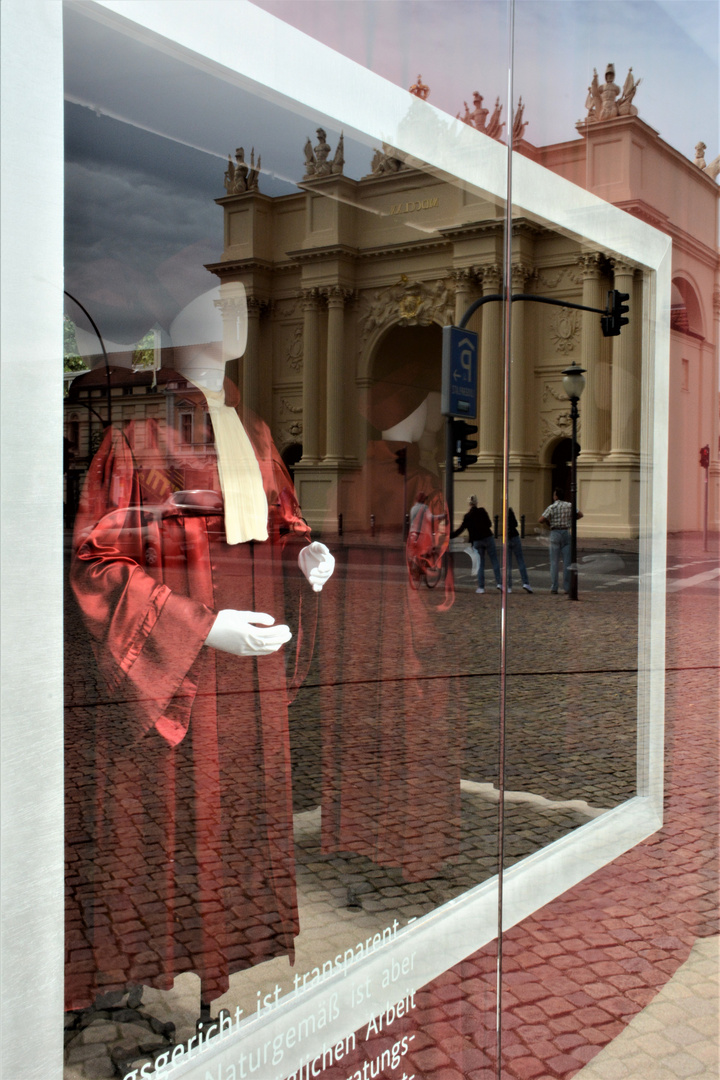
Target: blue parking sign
(459,372)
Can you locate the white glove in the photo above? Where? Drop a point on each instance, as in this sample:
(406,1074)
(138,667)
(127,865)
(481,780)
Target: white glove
(242,633)
(317,564)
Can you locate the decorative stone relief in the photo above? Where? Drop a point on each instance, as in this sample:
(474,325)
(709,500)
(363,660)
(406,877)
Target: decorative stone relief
(559,426)
(288,432)
(240,177)
(316,160)
(522,275)
(289,308)
(409,303)
(257,308)
(294,355)
(491,277)
(337,296)
(466,278)
(549,391)
(555,277)
(289,406)
(590,263)
(565,329)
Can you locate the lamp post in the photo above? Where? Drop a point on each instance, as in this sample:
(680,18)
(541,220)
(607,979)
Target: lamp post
(573,384)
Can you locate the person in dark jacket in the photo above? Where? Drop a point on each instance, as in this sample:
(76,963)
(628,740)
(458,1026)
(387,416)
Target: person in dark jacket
(479,528)
(515,548)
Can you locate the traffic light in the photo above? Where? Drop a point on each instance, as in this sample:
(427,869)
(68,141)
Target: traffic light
(463,444)
(705,456)
(401,460)
(615,319)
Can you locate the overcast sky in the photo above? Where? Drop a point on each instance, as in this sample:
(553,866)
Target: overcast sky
(147,136)
(459,46)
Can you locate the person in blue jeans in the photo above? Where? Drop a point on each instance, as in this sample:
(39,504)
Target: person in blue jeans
(515,548)
(479,529)
(558,516)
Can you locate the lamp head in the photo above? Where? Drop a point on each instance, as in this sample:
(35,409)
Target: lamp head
(574,381)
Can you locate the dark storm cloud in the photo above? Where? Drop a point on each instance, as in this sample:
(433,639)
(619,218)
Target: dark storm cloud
(146,152)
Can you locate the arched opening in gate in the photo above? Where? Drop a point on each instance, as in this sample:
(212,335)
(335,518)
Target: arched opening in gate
(561,461)
(404,395)
(290,457)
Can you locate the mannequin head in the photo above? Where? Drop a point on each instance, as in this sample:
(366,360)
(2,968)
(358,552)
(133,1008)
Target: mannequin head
(425,419)
(204,342)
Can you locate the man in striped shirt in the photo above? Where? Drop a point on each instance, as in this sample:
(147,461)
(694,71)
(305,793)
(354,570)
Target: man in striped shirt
(558,516)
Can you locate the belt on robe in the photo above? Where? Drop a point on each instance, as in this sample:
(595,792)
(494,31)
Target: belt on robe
(198,502)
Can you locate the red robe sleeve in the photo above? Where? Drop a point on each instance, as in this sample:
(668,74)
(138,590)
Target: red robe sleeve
(146,638)
(288,528)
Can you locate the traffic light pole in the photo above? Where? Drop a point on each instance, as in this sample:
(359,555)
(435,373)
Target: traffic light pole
(449,486)
(611,323)
(606,311)
(573,502)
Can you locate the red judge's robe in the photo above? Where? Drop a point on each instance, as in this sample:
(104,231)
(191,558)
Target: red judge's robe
(179,817)
(391,775)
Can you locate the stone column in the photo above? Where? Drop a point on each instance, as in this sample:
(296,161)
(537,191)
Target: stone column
(464,281)
(521,376)
(625,420)
(597,392)
(251,383)
(311,376)
(491,370)
(335,443)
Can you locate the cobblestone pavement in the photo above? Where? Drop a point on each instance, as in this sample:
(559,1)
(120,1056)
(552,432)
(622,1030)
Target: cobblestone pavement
(579,970)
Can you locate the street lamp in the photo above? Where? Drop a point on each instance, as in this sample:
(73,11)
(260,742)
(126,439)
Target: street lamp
(573,385)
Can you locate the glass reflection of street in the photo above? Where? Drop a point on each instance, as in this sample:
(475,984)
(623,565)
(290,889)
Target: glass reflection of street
(565,766)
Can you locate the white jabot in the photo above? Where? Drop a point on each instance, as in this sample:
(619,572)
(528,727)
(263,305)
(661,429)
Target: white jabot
(246,508)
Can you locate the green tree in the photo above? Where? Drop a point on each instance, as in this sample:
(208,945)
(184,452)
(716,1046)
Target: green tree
(72,361)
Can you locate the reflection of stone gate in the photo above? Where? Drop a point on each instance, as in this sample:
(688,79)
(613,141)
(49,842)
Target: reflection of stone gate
(338,279)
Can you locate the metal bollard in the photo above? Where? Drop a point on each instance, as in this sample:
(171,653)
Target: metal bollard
(522,526)
(372,524)
(497,522)
(340,525)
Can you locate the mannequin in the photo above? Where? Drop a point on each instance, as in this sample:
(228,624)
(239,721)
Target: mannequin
(391,781)
(180,851)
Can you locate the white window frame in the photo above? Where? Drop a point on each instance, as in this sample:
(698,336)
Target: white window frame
(257,49)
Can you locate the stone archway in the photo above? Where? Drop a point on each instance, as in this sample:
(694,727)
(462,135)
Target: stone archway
(405,366)
(561,474)
(290,457)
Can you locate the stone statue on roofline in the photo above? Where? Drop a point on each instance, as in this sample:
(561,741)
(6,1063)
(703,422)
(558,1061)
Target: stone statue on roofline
(420,89)
(240,177)
(713,168)
(477,117)
(387,160)
(519,125)
(316,160)
(606,101)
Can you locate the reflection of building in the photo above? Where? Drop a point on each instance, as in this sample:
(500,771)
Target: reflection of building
(349,282)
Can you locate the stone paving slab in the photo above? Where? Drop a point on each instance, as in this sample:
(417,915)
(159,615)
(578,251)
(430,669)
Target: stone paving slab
(676,1035)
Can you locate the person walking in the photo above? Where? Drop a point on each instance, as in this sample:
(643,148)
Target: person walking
(479,529)
(515,548)
(558,516)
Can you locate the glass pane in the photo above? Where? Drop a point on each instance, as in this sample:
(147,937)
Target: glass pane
(269,819)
